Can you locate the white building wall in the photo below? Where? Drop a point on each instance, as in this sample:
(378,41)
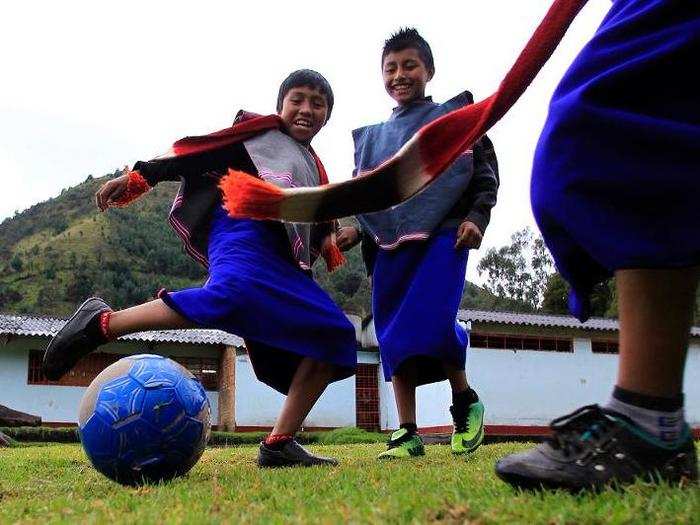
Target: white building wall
(531,387)
(258,404)
(60,403)
(518,388)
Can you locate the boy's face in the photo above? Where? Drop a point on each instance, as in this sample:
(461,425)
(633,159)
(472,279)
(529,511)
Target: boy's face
(304,112)
(405,75)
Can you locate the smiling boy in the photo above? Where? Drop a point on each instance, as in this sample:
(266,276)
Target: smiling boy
(417,252)
(259,284)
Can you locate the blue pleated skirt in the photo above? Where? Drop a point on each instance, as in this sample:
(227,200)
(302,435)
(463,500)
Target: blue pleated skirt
(416,291)
(257,291)
(616,175)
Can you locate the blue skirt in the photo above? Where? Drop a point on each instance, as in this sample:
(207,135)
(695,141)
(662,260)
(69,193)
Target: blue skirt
(416,291)
(257,291)
(616,175)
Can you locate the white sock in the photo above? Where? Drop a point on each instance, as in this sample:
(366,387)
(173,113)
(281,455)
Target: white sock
(666,425)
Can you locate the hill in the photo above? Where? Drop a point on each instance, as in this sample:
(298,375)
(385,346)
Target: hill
(60,251)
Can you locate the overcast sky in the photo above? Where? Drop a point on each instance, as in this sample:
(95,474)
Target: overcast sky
(90,86)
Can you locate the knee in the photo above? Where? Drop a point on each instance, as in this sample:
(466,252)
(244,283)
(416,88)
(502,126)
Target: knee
(312,368)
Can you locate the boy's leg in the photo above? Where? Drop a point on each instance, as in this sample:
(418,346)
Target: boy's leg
(656,312)
(404,385)
(405,442)
(467,412)
(153,315)
(280,449)
(94,324)
(641,433)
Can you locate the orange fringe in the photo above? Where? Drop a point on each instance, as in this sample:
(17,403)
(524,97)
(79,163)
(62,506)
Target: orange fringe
(136,187)
(246,196)
(333,256)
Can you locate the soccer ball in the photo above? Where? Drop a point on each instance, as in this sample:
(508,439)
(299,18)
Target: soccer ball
(144,419)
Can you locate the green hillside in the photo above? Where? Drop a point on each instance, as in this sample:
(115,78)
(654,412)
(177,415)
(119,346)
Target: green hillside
(58,252)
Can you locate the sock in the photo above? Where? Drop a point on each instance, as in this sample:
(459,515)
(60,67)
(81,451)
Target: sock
(98,328)
(660,416)
(412,428)
(277,441)
(461,400)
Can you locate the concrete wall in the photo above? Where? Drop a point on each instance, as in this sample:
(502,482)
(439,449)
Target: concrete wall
(518,387)
(258,404)
(527,387)
(60,403)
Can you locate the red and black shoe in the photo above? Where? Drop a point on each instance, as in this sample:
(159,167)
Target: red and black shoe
(80,336)
(291,454)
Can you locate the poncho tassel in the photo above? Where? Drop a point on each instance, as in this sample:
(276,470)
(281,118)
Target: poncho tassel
(333,256)
(136,187)
(247,196)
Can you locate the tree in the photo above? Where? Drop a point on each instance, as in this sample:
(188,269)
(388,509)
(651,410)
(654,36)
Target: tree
(518,271)
(523,271)
(16,263)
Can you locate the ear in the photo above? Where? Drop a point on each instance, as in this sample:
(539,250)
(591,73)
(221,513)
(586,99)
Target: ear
(431,74)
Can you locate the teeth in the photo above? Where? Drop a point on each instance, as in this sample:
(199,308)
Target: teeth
(304,123)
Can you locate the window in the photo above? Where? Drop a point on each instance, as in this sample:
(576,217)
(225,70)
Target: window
(520,342)
(605,347)
(206,369)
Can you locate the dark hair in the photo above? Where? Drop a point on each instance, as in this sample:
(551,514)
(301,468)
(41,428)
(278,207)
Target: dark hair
(408,37)
(306,77)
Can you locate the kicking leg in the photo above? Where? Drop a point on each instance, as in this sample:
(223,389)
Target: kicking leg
(94,324)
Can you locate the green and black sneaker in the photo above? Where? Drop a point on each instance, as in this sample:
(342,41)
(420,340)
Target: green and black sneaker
(468,430)
(403,444)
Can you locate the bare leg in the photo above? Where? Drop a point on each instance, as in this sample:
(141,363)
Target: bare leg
(309,382)
(656,308)
(457,377)
(404,383)
(154,315)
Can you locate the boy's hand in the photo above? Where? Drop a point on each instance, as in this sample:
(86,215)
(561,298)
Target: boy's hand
(347,237)
(112,190)
(468,236)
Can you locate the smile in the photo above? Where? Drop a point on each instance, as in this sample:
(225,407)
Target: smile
(303,123)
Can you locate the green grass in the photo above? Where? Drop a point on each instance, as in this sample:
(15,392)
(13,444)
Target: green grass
(338,436)
(56,484)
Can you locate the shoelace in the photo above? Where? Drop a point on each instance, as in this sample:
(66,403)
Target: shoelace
(461,421)
(580,430)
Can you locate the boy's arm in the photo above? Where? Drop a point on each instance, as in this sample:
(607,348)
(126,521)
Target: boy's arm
(480,197)
(174,168)
(146,174)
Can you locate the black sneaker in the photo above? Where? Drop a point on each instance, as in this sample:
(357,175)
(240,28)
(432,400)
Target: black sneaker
(74,340)
(593,448)
(292,454)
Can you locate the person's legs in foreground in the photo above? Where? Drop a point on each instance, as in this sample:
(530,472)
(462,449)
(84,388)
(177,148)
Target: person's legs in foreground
(641,432)
(280,449)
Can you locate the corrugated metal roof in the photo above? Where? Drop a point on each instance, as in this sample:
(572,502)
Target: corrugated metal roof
(555,321)
(28,325)
(49,326)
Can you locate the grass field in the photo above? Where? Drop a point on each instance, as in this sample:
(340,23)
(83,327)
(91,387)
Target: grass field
(56,484)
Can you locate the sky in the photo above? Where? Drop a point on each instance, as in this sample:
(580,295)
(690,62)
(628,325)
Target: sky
(88,87)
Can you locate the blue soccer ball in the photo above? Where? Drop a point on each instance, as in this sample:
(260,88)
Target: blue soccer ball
(144,419)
